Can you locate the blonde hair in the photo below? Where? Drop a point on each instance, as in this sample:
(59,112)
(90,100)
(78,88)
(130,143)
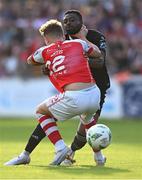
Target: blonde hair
(52,27)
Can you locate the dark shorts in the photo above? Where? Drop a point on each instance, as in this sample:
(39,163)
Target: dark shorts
(103,82)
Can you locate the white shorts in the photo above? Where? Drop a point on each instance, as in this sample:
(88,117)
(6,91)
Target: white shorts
(72,103)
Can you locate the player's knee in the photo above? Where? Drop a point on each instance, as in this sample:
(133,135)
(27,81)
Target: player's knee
(38,115)
(41,109)
(38,110)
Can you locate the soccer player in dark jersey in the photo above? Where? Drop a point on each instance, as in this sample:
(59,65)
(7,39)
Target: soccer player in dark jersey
(73,25)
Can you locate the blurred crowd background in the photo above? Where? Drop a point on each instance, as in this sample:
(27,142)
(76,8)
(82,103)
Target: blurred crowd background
(119,20)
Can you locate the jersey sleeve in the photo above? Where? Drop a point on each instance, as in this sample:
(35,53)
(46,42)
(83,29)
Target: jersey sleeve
(38,55)
(98,39)
(102,44)
(86,47)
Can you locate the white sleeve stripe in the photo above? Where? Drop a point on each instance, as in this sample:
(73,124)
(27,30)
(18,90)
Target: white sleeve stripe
(37,56)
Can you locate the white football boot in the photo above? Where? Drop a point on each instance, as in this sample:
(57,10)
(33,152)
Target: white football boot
(69,159)
(99,158)
(60,156)
(23,158)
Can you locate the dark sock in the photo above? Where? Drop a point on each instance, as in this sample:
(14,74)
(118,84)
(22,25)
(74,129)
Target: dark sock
(79,141)
(37,135)
(80,137)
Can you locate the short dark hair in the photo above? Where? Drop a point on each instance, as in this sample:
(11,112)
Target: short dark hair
(75,12)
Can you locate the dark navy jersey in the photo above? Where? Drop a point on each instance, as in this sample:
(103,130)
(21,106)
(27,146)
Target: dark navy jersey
(98,39)
(99,74)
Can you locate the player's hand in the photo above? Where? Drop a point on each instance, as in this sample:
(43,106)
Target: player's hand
(45,70)
(82,33)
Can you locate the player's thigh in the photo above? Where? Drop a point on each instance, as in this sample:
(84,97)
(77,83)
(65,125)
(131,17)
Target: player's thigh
(88,100)
(42,108)
(61,106)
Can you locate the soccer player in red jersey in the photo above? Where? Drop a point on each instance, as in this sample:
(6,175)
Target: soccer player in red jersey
(73,24)
(69,71)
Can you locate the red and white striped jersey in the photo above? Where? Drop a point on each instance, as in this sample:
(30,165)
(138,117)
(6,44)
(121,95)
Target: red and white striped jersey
(66,61)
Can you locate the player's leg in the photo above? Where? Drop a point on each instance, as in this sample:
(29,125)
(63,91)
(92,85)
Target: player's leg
(80,141)
(103,82)
(35,138)
(99,158)
(50,128)
(78,107)
(80,137)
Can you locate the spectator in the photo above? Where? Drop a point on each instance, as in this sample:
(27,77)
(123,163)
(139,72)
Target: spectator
(119,20)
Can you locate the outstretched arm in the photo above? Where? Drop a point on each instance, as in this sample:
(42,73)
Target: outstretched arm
(30,60)
(95,51)
(37,58)
(94,60)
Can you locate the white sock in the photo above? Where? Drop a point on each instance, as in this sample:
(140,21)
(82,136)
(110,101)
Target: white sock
(59,145)
(98,155)
(25,153)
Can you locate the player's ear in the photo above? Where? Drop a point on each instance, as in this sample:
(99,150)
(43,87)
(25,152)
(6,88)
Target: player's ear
(46,40)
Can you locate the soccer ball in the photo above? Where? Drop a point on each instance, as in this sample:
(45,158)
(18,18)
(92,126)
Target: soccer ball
(98,136)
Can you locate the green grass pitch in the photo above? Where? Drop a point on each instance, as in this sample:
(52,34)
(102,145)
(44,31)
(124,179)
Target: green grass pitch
(124,155)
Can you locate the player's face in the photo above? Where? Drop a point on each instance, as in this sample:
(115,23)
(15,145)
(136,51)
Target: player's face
(72,23)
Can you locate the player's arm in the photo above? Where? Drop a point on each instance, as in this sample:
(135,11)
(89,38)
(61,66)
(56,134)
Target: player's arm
(36,58)
(96,62)
(99,62)
(94,51)
(31,61)
(94,54)
(90,49)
